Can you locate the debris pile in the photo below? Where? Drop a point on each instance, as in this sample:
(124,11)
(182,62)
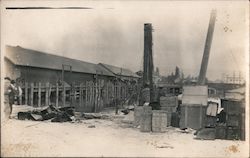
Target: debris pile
(63,114)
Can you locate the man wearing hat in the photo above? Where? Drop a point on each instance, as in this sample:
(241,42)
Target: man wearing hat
(10,92)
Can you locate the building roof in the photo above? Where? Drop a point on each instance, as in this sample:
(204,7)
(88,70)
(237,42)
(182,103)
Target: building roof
(27,57)
(119,71)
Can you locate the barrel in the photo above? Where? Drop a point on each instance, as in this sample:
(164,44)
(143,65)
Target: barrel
(146,119)
(138,115)
(159,121)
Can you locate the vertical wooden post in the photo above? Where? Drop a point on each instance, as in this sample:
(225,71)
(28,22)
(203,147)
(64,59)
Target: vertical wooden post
(31,93)
(90,94)
(116,90)
(93,94)
(74,94)
(99,95)
(47,94)
(80,96)
(63,94)
(20,98)
(57,94)
(39,94)
(86,94)
(106,93)
(26,93)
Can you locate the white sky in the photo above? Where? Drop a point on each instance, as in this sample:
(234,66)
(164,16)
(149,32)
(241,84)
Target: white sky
(112,32)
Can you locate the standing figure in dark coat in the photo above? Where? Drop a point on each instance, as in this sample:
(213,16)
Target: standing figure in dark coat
(11,91)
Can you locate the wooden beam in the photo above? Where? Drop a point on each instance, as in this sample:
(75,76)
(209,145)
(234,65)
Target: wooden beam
(47,95)
(39,94)
(63,94)
(57,94)
(31,93)
(26,93)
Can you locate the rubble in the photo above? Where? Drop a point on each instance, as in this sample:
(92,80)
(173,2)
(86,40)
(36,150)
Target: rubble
(63,114)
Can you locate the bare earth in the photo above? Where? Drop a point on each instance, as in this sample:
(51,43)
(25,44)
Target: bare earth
(108,138)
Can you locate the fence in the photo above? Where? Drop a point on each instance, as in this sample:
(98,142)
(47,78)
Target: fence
(88,96)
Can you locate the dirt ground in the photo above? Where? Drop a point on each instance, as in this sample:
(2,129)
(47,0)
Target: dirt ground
(111,137)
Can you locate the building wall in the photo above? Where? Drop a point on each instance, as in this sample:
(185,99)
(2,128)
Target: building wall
(31,74)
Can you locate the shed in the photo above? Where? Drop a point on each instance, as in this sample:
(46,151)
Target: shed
(35,66)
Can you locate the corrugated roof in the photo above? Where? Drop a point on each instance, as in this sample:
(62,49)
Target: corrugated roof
(27,57)
(119,71)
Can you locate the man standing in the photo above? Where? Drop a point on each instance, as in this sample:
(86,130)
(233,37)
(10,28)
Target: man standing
(10,92)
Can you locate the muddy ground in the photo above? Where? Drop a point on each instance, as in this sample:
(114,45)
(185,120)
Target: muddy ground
(115,136)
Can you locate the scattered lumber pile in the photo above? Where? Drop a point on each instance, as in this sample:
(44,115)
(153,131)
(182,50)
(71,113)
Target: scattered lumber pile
(63,114)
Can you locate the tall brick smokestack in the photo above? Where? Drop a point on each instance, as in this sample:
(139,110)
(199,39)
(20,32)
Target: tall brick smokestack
(205,58)
(148,56)
(148,67)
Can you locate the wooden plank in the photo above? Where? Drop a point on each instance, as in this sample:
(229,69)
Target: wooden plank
(49,91)
(26,93)
(92,94)
(80,97)
(86,94)
(47,94)
(31,93)
(39,94)
(57,94)
(99,95)
(21,99)
(95,95)
(63,94)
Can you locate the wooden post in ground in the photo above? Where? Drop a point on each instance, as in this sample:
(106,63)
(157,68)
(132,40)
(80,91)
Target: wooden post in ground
(39,94)
(91,94)
(74,94)
(49,91)
(57,94)
(86,94)
(20,98)
(47,94)
(26,93)
(80,96)
(31,93)
(116,106)
(63,94)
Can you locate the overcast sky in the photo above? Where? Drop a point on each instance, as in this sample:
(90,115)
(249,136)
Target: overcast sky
(112,32)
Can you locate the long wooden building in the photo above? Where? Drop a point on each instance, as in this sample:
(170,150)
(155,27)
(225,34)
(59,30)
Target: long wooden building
(51,79)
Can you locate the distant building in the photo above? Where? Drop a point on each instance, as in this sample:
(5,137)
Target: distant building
(233,78)
(121,73)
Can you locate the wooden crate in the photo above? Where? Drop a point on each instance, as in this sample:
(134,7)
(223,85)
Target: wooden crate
(192,116)
(233,120)
(233,133)
(169,101)
(159,121)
